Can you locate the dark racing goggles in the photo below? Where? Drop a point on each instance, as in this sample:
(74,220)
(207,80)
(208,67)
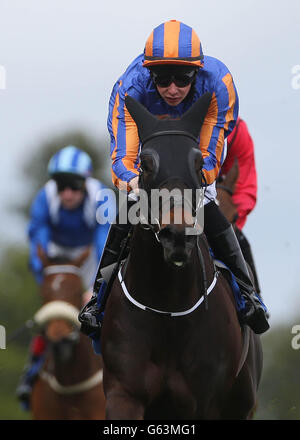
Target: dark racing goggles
(180,78)
(74,183)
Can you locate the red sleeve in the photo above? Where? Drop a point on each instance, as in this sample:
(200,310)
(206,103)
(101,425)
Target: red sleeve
(245,192)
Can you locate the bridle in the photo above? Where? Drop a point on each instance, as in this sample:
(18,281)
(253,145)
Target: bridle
(59,308)
(64,310)
(157,227)
(225,188)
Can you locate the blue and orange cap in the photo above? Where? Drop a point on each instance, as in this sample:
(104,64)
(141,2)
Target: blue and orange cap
(173,42)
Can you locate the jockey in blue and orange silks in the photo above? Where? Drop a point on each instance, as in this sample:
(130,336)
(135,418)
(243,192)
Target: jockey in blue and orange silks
(167,79)
(212,76)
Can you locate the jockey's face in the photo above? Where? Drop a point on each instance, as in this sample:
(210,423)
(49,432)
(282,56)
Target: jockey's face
(173,95)
(173,82)
(71,190)
(70,198)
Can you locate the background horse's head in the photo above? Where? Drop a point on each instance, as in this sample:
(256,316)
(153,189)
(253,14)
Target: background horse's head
(225,191)
(61,292)
(171,175)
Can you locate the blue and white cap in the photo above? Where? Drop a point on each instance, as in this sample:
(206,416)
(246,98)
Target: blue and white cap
(71,160)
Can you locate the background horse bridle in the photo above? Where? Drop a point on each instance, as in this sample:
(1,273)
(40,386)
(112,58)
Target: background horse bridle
(60,309)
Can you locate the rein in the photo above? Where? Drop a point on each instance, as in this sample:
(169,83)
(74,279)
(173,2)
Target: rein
(225,188)
(156,229)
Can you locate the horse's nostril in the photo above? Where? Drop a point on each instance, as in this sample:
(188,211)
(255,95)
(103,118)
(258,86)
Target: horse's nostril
(64,348)
(179,259)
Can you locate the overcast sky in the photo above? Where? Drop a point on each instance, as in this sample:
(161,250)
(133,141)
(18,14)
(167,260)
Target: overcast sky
(62,57)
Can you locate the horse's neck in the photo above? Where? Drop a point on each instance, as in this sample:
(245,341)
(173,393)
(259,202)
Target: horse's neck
(153,282)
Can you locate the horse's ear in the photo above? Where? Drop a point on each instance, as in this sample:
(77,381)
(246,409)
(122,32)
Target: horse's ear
(193,119)
(144,120)
(42,255)
(81,259)
(232,176)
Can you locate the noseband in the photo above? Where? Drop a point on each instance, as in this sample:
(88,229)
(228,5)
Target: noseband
(57,308)
(63,269)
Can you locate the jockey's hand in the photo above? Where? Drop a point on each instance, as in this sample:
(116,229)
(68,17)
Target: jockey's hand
(134,184)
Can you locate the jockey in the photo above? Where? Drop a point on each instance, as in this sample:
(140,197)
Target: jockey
(240,147)
(167,79)
(63,222)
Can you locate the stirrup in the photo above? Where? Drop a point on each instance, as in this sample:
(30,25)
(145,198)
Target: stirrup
(90,326)
(256,316)
(24,388)
(23,392)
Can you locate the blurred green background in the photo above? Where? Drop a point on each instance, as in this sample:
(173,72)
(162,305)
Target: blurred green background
(279,397)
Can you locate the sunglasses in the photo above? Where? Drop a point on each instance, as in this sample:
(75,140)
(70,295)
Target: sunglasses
(179,79)
(74,185)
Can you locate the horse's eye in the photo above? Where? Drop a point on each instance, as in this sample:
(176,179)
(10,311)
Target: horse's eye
(150,161)
(147,164)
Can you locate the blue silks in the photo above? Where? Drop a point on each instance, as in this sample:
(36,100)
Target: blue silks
(30,376)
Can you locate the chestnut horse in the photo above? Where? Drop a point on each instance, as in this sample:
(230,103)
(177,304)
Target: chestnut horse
(172,344)
(69,385)
(225,190)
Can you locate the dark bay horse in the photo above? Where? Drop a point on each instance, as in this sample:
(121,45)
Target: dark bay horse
(172,344)
(69,385)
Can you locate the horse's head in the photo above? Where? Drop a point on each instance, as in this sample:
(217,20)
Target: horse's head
(170,179)
(61,292)
(225,191)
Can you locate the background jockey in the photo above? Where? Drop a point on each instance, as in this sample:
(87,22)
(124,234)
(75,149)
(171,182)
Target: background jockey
(167,79)
(63,222)
(240,147)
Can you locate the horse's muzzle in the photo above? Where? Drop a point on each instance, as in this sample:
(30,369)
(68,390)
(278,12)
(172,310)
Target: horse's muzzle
(177,246)
(63,349)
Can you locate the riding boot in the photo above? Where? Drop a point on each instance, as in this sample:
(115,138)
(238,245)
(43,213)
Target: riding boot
(247,253)
(115,243)
(226,248)
(31,371)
